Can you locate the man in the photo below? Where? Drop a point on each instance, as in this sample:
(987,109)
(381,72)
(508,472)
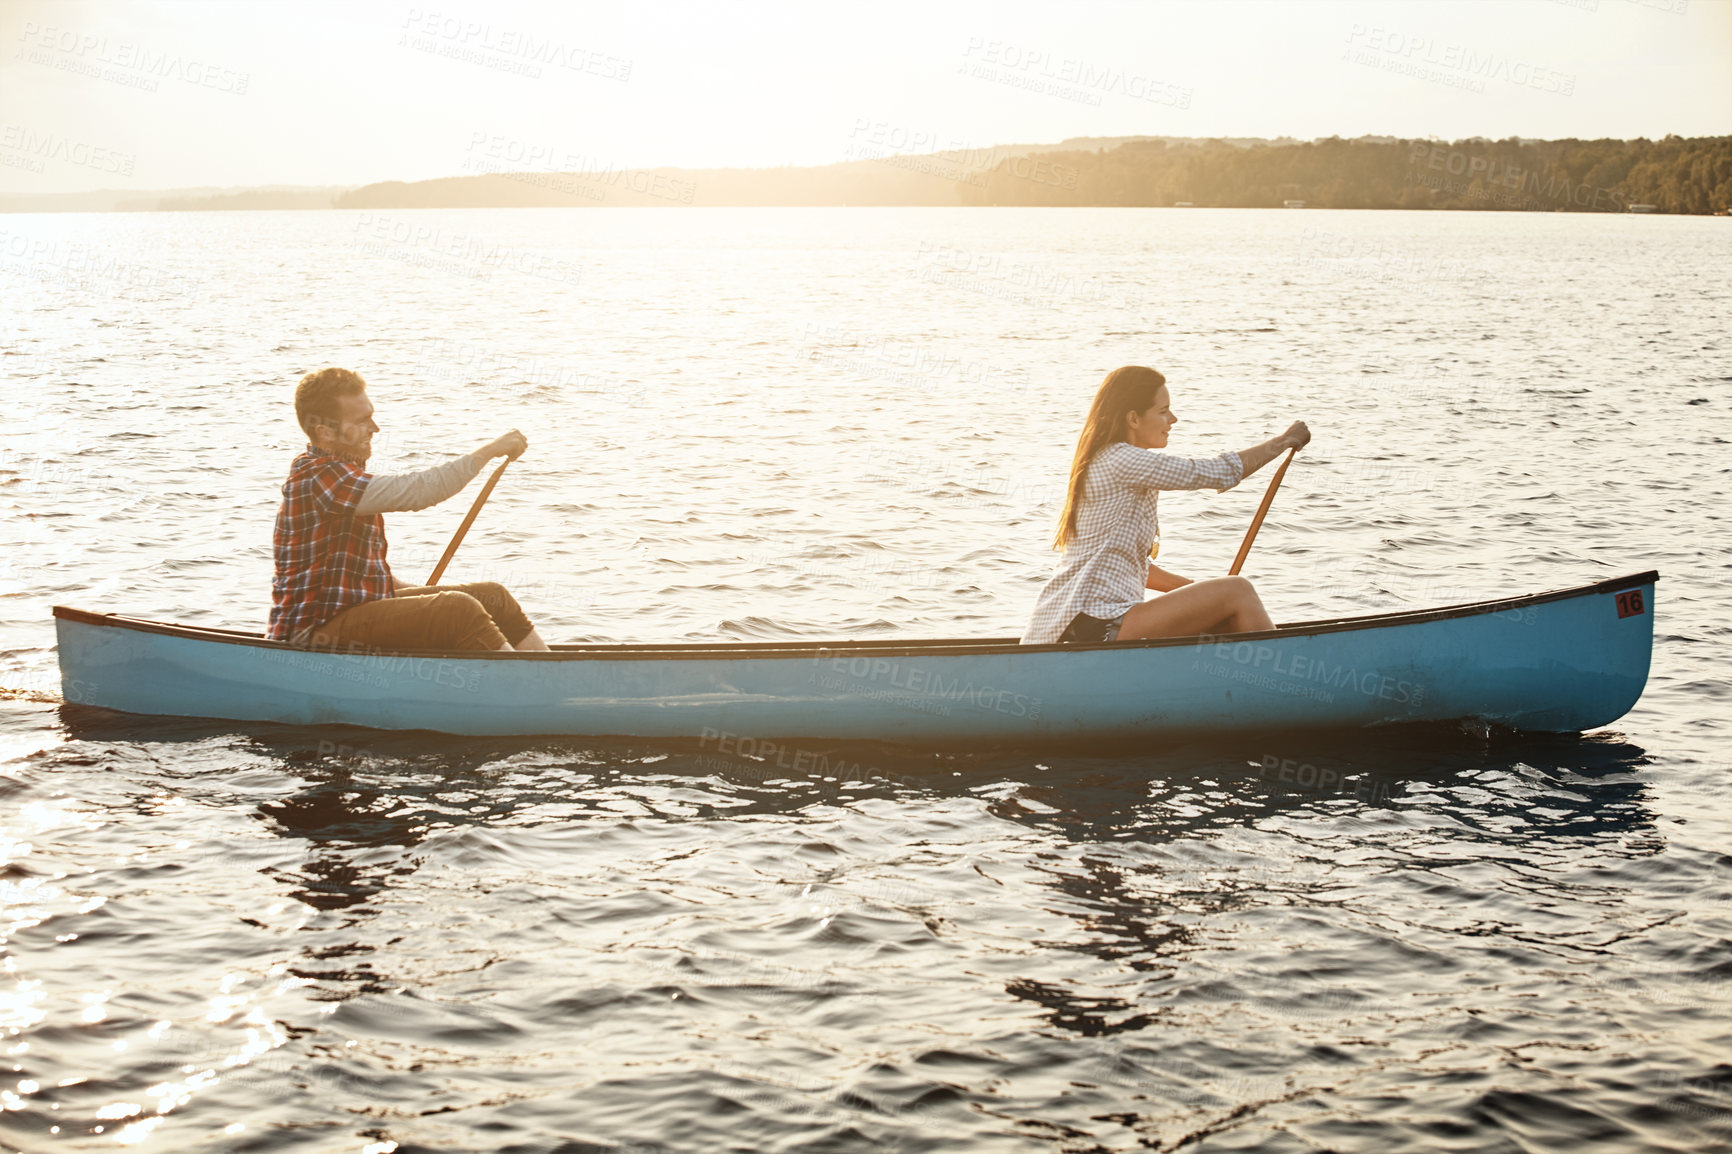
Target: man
(333,588)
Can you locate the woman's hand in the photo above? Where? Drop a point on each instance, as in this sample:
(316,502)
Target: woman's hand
(1297,436)
(511,445)
(1162,581)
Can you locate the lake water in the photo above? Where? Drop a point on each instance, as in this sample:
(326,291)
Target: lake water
(832,423)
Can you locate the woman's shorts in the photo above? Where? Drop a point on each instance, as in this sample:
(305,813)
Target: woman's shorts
(1086,630)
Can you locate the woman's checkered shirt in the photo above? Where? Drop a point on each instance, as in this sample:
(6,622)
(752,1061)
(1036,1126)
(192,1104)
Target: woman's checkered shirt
(1106,565)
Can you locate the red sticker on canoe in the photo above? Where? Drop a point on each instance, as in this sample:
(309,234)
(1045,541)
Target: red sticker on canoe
(1630,603)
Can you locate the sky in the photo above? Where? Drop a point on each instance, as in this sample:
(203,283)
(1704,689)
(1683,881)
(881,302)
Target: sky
(158,94)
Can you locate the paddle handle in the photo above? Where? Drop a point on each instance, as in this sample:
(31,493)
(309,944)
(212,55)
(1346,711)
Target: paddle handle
(451,549)
(1262,511)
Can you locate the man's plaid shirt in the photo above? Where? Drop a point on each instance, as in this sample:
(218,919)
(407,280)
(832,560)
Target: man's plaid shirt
(327,558)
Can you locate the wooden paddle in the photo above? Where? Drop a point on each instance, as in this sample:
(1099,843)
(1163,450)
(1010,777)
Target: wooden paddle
(1262,511)
(486,490)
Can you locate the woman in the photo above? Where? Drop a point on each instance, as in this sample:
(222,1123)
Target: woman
(1108,527)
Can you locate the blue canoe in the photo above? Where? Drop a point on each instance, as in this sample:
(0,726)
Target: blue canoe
(1563,661)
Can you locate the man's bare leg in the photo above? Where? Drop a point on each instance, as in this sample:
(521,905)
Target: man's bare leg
(532,643)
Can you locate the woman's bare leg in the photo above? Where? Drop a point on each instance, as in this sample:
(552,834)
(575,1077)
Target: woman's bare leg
(1215,605)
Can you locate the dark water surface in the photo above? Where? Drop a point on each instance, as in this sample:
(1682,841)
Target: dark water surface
(854,423)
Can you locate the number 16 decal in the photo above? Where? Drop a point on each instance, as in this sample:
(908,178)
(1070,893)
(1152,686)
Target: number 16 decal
(1630,603)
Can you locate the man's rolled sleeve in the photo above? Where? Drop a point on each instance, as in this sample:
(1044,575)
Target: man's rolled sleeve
(407,492)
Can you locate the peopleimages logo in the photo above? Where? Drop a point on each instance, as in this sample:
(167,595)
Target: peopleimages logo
(415,241)
(122,61)
(761,755)
(1296,674)
(1457,64)
(1486,178)
(505,49)
(1065,77)
(546,166)
(915,686)
(39,147)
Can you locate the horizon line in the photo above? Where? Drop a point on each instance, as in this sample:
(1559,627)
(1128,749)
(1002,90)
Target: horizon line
(1078,141)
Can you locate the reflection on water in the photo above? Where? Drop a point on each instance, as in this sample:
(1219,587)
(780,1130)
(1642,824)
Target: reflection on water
(1204,932)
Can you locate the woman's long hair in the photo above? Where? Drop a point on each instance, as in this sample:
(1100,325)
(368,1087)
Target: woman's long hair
(1127,390)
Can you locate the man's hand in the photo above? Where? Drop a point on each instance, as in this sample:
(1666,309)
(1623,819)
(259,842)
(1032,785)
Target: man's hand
(1297,435)
(511,445)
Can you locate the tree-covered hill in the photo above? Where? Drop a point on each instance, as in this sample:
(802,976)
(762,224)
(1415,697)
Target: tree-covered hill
(1673,175)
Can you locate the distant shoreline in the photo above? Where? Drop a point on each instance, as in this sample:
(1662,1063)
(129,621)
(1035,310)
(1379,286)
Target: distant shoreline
(1668,176)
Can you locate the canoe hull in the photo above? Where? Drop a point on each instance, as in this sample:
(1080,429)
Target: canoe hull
(1561,662)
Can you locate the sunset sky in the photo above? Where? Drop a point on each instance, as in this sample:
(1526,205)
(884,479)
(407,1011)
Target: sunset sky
(153,95)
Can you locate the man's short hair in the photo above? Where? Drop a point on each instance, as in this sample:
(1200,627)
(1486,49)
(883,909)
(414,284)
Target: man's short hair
(316,396)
